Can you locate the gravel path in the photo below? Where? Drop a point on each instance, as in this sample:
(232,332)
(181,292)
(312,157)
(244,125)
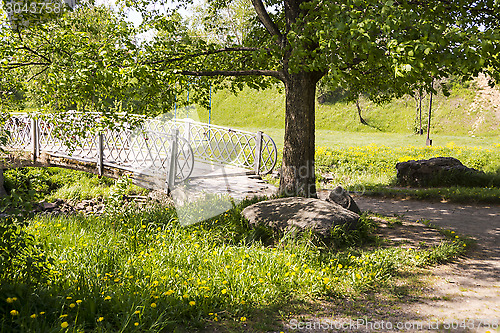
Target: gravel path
(468,289)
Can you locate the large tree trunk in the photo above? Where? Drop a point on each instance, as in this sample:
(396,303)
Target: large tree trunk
(297,171)
(3,193)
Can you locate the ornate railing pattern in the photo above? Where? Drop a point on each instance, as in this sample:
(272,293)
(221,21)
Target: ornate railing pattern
(152,146)
(134,149)
(222,145)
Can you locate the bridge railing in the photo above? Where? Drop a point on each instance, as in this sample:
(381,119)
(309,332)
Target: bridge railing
(222,145)
(143,144)
(166,155)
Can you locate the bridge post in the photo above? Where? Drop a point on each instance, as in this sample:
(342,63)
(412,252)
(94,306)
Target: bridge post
(35,139)
(172,170)
(187,129)
(100,154)
(258,152)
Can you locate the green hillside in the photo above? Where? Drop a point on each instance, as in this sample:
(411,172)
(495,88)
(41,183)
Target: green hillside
(465,113)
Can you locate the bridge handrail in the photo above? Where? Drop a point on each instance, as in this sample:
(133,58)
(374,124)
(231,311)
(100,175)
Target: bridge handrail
(133,150)
(208,142)
(223,145)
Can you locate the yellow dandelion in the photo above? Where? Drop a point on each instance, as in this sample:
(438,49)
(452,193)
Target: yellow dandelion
(243,319)
(9,300)
(14,313)
(33,316)
(42,313)
(136,324)
(72,305)
(137,312)
(100,319)
(153,305)
(339,266)
(79,301)
(69,297)
(107,298)
(224,291)
(192,303)
(64,324)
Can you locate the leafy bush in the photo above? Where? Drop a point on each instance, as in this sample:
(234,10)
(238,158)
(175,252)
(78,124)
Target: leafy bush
(30,183)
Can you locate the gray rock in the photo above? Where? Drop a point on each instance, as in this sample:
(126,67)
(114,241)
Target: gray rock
(340,196)
(301,214)
(48,206)
(80,206)
(439,171)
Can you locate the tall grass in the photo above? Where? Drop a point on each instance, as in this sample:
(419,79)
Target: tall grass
(142,271)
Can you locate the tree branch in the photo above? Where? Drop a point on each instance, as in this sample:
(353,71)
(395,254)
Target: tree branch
(24,64)
(255,72)
(194,55)
(266,20)
(35,53)
(40,72)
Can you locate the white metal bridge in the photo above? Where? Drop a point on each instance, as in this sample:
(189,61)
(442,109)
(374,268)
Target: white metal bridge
(157,153)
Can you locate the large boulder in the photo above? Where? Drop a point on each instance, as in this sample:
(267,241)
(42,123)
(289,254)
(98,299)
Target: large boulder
(437,171)
(300,214)
(340,196)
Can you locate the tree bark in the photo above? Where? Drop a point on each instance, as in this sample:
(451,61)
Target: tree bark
(361,119)
(3,193)
(297,171)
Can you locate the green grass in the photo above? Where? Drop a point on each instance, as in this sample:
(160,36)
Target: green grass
(58,183)
(141,271)
(338,139)
(371,170)
(447,194)
(252,109)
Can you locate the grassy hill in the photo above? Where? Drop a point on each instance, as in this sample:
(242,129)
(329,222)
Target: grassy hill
(469,111)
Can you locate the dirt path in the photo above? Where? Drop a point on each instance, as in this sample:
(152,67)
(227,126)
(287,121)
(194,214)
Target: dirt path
(468,289)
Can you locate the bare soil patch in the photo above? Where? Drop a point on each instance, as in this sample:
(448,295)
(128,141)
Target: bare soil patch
(469,288)
(462,296)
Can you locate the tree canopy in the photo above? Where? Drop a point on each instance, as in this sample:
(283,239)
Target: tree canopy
(88,57)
